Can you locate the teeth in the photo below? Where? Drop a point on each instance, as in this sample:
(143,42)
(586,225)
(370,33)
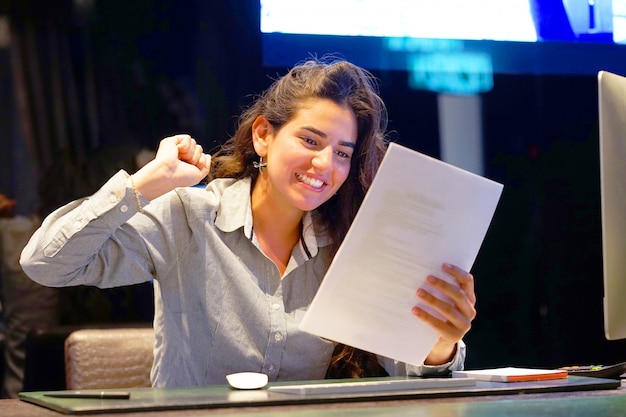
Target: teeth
(310,181)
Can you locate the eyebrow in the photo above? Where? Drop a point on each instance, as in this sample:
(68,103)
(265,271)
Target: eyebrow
(324,135)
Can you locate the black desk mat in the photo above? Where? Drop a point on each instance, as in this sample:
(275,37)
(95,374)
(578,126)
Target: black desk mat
(222,396)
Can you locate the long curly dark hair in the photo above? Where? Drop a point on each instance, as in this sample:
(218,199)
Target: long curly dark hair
(347,85)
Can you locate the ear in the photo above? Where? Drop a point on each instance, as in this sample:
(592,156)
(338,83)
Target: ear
(261,132)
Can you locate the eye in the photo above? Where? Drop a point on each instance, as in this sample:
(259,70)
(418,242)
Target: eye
(343,154)
(309,141)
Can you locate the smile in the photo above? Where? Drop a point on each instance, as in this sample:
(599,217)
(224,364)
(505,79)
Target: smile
(310,181)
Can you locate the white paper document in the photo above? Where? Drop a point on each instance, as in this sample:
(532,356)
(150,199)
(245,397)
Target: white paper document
(418,214)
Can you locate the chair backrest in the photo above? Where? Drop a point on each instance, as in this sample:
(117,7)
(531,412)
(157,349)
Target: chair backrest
(109,358)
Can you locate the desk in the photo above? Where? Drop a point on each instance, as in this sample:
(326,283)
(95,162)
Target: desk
(597,403)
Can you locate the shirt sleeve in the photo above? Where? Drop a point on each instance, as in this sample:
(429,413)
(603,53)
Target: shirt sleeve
(91,241)
(397,368)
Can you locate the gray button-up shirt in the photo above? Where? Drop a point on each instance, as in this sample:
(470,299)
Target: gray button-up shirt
(221,305)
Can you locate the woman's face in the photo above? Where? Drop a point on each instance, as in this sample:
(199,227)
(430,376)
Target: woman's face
(308,158)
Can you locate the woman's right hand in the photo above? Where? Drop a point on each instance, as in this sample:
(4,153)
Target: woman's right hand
(179,162)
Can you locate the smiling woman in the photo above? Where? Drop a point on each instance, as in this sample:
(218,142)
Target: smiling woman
(236,264)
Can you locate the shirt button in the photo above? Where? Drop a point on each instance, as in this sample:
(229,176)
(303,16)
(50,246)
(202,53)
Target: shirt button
(77,224)
(278,336)
(124,208)
(112,198)
(275,306)
(271,368)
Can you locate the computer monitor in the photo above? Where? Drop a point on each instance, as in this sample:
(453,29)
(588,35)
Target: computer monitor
(612,112)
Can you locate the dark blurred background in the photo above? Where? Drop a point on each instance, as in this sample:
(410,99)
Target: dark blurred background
(85,85)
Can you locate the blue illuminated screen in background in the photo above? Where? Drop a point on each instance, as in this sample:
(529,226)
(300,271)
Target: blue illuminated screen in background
(470,39)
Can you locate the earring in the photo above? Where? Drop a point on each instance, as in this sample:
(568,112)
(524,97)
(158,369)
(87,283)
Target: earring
(259,165)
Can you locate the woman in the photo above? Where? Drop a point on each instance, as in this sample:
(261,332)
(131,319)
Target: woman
(236,264)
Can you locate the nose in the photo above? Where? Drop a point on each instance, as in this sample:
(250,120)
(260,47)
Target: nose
(323,159)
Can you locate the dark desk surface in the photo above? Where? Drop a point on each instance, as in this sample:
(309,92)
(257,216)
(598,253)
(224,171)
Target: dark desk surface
(597,403)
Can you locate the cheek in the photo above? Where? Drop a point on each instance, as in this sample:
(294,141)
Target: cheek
(341,174)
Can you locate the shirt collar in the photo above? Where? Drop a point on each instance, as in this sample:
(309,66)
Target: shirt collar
(235,212)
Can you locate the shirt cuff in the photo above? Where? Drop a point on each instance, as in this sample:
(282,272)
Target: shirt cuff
(456,364)
(397,368)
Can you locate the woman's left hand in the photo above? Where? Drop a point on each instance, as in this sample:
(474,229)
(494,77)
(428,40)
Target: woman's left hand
(458,310)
